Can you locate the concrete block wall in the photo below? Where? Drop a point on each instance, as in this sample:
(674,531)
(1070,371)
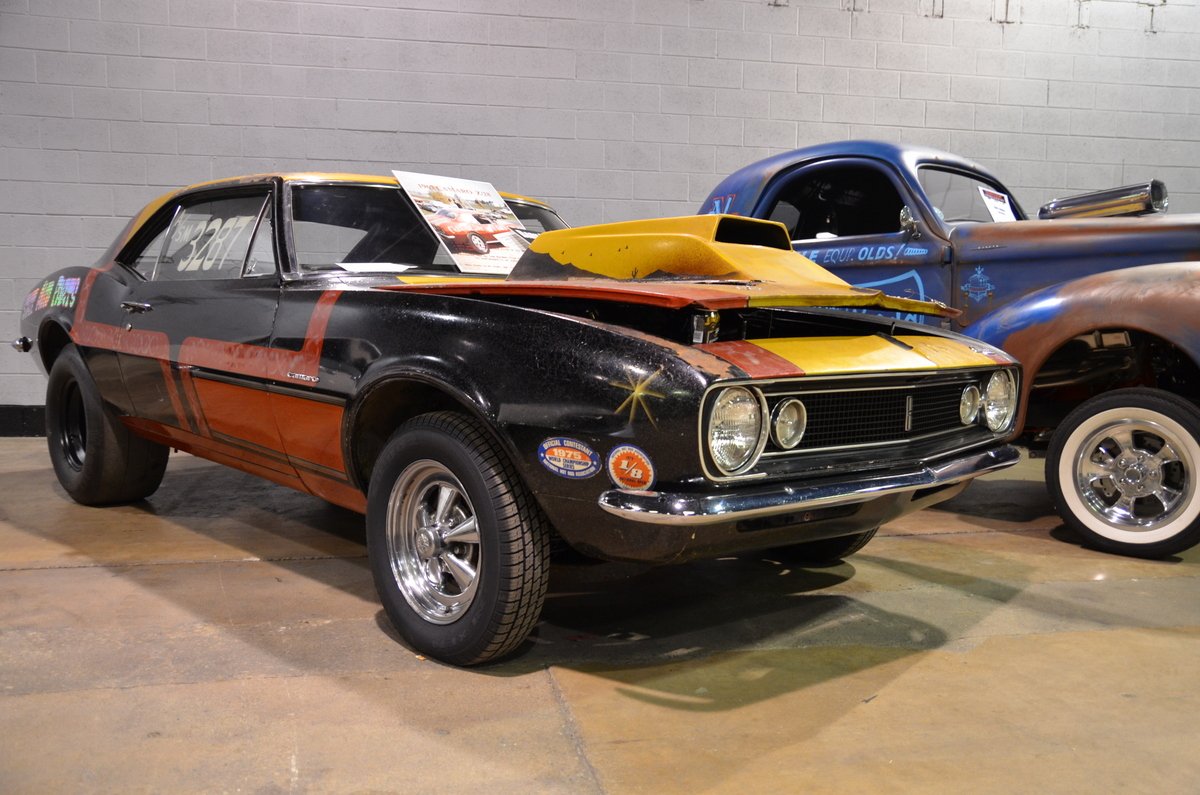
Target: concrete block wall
(611,109)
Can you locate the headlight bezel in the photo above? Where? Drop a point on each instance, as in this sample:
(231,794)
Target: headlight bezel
(971,396)
(760,442)
(776,415)
(1013,401)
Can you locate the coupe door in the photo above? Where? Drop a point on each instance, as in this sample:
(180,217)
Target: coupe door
(844,215)
(204,319)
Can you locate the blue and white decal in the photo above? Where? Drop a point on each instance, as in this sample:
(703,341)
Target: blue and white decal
(890,286)
(568,458)
(841,255)
(720,204)
(979,287)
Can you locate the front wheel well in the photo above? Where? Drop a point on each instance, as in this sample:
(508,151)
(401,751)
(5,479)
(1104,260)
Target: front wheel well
(383,409)
(1099,361)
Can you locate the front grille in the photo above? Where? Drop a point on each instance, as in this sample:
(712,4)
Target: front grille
(869,422)
(878,416)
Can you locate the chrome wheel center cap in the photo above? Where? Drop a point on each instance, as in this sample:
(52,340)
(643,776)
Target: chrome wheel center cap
(1137,479)
(428,542)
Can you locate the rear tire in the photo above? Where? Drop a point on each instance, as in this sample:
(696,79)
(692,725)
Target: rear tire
(96,458)
(1123,470)
(458,547)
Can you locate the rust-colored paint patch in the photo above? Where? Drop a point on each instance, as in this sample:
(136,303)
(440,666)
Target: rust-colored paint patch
(238,412)
(755,361)
(311,431)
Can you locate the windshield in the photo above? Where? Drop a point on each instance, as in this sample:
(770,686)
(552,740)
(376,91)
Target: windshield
(362,228)
(536,219)
(958,197)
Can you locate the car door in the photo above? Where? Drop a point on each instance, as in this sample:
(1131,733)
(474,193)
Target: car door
(845,215)
(203,317)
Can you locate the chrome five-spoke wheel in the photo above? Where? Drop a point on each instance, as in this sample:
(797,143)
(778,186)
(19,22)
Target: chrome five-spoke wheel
(458,547)
(1130,475)
(1123,471)
(433,542)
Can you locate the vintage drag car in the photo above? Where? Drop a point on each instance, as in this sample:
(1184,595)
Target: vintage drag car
(647,391)
(1103,312)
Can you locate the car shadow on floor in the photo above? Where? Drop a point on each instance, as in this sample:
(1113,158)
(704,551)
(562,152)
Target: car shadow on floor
(616,620)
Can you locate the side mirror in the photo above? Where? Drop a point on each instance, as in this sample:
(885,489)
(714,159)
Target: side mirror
(908,222)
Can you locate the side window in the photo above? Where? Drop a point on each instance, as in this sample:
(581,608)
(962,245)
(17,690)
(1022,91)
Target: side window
(957,197)
(210,239)
(839,200)
(362,228)
(143,261)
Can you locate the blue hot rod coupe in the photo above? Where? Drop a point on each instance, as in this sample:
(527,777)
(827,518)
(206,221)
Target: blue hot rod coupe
(1098,298)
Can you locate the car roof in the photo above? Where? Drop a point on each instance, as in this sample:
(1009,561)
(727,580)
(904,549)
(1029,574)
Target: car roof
(318,176)
(745,186)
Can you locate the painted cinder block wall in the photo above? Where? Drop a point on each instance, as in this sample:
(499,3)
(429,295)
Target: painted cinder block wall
(611,109)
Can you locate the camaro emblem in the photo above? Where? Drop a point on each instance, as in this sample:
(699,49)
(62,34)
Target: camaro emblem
(312,379)
(638,390)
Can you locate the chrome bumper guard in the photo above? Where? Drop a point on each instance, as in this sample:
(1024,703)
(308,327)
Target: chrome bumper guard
(656,507)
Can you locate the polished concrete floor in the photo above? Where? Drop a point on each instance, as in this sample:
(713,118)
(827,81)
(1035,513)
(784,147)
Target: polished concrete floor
(224,636)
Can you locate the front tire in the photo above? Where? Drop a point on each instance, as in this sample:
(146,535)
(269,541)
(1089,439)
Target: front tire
(97,459)
(1123,470)
(826,551)
(458,548)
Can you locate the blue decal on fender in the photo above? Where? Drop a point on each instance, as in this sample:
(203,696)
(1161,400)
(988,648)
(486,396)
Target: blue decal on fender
(721,204)
(568,458)
(979,287)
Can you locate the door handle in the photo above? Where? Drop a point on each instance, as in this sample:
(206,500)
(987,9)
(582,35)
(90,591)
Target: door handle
(136,307)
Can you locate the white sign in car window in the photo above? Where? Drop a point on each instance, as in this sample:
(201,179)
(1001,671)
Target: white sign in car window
(997,204)
(471,219)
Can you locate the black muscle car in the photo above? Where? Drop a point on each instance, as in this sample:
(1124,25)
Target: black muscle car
(649,391)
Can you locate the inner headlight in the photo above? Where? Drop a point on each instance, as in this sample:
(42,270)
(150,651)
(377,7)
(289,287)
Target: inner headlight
(999,400)
(788,423)
(968,404)
(735,429)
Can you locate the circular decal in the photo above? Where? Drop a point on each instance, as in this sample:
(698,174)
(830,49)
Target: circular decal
(568,458)
(630,468)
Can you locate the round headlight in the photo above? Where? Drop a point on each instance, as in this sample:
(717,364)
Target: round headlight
(968,404)
(999,400)
(735,429)
(788,422)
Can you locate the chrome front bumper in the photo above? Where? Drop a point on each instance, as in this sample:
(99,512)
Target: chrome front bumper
(656,507)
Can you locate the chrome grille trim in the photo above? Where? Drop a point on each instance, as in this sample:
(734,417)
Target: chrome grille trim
(923,408)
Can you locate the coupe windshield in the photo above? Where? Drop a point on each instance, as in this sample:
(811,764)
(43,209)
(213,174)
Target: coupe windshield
(958,197)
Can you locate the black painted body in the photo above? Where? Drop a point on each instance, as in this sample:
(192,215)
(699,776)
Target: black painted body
(217,367)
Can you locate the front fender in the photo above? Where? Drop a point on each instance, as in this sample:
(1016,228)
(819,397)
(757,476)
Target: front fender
(1163,300)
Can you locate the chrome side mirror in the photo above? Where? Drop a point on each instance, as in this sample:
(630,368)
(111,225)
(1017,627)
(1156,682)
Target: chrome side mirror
(908,222)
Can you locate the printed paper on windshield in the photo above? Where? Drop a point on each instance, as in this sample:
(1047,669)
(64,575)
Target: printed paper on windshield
(471,219)
(997,204)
